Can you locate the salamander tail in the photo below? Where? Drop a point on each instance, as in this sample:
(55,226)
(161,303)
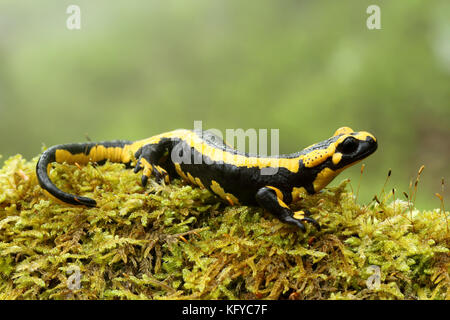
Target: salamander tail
(81,153)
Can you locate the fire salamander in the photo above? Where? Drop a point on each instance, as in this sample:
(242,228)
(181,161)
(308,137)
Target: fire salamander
(204,160)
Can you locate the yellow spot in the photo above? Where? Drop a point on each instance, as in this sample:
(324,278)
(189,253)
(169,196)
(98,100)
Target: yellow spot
(362,135)
(281,203)
(297,193)
(279,196)
(277,191)
(343,130)
(299,215)
(217,189)
(337,158)
(316,157)
(324,177)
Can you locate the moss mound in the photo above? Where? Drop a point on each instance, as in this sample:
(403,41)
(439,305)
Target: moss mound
(180,242)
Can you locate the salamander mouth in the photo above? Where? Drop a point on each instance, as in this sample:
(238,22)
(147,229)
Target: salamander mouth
(365,149)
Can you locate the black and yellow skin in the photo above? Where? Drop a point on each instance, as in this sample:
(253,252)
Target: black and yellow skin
(203,159)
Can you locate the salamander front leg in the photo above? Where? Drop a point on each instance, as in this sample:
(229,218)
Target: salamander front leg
(271,199)
(301,215)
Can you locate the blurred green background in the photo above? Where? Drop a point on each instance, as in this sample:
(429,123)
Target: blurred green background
(138,68)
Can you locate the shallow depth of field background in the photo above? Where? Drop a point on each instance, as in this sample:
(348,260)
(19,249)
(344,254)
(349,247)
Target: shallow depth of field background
(138,68)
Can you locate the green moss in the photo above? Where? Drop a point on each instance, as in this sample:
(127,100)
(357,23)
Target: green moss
(179,242)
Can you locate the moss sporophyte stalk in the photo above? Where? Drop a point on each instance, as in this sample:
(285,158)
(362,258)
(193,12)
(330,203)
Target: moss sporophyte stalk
(177,241)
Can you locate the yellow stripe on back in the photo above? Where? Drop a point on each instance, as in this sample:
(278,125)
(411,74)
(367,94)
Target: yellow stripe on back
(216,154)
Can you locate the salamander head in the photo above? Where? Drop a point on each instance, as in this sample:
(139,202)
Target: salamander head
(328,158)
(351,147)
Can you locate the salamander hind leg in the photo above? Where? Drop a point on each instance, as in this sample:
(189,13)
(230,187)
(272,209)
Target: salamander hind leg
(148,157)
(271,199)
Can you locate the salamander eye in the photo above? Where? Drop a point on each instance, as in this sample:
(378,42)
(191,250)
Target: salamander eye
(349,145)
